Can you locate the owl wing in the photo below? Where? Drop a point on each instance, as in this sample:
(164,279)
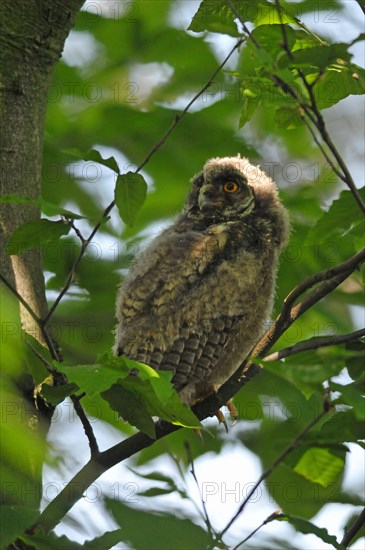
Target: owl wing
(193,356)
(162,322)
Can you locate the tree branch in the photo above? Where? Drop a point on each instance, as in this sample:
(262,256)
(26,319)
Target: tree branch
(354,529)
(100,463)
(89,432)
(315,343)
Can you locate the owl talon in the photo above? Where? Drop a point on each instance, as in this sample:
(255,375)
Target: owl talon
(232,411)
(221,419)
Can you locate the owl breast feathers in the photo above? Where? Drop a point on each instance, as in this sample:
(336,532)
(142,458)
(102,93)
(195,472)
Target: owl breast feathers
(195,301)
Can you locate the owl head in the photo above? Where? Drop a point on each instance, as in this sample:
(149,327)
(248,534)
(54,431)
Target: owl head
(229,189)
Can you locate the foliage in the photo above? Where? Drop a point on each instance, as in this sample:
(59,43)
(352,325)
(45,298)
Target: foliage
(117,103)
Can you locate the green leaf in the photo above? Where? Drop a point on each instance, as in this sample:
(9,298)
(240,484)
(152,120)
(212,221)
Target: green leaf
(134,390)
(320,57)
(56,394)
(50,209)
(137,399)
(214,17)
(51,540)
(14,521)
(95,156)
(130,194)
(307,528)
(351,395)
(131,407)
(320,466)
(156,492)
(340,225)
(161,528)
(248,110)
(342,426)
(288,117)
(95,378)
(36,233)
(338,82)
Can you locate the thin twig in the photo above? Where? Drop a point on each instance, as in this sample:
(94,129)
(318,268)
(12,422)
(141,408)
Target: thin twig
(192,471)
(293,445)
(21,300)
(47,339)
(315,344)
(243,23)
(269,519)
(354,529)
(43,360)
(94,449)
(155,148)
(77,231)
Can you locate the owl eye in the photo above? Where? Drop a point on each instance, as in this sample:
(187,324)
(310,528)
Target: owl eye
(230,187)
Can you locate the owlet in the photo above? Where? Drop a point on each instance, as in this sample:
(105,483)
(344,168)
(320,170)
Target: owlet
(195,301)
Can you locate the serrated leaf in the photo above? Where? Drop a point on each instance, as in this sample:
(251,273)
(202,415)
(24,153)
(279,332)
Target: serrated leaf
(95,378)
(134,390)
(34,234)
(131,407)
(214,17)
(137,400)
(320,466)
(130,194)
(307,528)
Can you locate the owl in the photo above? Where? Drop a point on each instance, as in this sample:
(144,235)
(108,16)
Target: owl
(196,299)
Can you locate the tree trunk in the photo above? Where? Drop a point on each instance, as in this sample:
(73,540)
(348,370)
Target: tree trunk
(32,36)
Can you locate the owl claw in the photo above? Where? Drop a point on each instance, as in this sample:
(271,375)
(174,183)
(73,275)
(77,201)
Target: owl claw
(232,411)
(221,419)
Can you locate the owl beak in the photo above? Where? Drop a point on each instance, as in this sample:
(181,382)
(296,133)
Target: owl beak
(205,197)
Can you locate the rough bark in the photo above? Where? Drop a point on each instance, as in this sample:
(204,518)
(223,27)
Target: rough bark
(32,36)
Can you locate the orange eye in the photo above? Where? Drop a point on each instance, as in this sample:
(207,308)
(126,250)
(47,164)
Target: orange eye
(230,187)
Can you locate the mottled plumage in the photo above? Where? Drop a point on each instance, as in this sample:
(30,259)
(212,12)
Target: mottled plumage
(195,301)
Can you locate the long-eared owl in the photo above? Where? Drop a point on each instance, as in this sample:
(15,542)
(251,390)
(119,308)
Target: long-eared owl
(196,300)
